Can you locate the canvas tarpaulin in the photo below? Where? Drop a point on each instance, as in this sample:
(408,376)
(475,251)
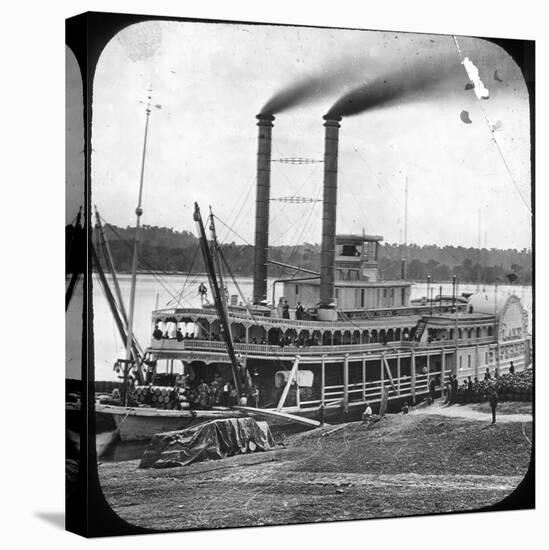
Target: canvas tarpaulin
(209,441)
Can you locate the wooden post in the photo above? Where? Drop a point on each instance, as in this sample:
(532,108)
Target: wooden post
(398,372)
(297,396)
(247,334)
(323,382)
(346,384)
(288,384)
(382,376)
(386,365)
(442,369)
(363,378)
(413,376)
(476,360)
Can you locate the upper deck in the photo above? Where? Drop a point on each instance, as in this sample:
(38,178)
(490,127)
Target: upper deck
(200,331)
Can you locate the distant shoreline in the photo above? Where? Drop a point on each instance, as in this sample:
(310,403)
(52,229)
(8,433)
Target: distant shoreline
(415,281)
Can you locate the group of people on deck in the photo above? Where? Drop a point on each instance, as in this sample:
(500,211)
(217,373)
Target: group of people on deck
(283,310)
(219,392)
(176,334)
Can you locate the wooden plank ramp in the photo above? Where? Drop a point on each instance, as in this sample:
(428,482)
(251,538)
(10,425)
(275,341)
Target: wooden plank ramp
(278,415)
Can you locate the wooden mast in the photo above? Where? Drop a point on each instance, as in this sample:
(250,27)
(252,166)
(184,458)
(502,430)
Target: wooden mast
(139,213)
(218,298)
(405,251)
(120,326)
(215,249)
(110,264)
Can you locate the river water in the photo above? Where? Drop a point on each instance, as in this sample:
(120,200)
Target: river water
(169,290)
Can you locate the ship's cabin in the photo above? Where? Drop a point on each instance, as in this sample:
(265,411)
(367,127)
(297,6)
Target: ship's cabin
(357,281)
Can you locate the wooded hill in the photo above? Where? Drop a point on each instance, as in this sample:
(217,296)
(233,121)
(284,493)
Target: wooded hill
(166,250)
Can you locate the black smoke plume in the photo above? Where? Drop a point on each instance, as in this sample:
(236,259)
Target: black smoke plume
(330,80)
(409,83)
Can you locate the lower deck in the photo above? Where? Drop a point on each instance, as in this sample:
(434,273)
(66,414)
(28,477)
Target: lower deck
(301,382)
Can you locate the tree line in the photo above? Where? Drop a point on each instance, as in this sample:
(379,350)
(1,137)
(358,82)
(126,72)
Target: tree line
(167,250)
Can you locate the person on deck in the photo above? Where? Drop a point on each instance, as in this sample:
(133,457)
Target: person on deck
(405,408)
(157,333)
(285,310)
(511,368)
(493,405)
(202,386)
(280,307)
(487,374)
(233,396)
(179,335)
(215,394)
(299,311)
(202,291)
(225,391)
(254,396)
(203,400)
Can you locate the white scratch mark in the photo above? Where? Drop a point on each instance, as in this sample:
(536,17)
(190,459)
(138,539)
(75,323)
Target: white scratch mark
(480,90)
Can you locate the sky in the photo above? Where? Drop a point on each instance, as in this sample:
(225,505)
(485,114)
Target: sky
(463,158)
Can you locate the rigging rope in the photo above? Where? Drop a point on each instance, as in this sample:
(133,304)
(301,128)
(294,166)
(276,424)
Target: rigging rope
(305,226)
(493,138)
(305,181)
(243,203)
(231,230)
(414,218)
(186,278)
(173,291)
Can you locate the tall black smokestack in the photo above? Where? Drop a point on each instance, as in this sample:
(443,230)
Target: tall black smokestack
(262,206)
(327,254)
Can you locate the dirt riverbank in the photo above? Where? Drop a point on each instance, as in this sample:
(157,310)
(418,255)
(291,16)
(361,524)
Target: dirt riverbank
(425,462)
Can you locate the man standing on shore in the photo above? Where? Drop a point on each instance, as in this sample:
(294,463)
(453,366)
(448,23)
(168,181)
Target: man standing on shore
(455,386)
(448,390)
(493,405)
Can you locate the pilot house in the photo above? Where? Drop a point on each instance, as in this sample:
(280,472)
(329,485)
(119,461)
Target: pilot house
(357,282)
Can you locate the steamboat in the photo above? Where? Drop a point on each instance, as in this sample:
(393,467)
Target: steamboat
(338,339)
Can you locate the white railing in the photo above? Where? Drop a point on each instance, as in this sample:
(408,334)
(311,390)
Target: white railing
(266,349)
(171,344)
(372,389)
